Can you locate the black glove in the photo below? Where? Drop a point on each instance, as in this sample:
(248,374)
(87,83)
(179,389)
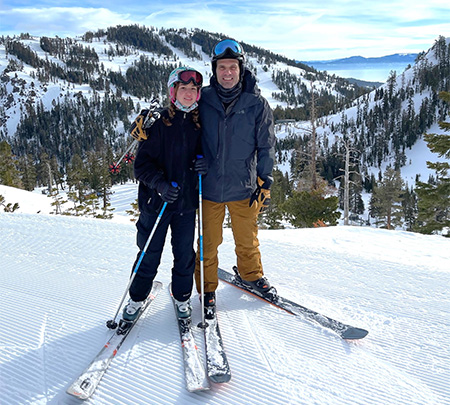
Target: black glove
(167,192)
(200,166)
(262,197)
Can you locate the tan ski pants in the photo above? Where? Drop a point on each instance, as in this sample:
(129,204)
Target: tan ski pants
(245,233)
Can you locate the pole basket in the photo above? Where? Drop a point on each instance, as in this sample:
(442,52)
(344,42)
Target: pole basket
(114,168)
(129,158)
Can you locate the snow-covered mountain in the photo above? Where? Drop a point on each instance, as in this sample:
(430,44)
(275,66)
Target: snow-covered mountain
(22,82)
(62,277)
(78,96)
(386,125)
(90,71)
(404,58)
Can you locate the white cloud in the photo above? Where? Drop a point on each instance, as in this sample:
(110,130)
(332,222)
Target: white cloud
(299,30)
(61,21)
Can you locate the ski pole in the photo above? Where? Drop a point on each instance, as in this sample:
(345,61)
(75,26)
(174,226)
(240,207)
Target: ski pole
(203,325)
(112,324)
(139,125)
(133,144)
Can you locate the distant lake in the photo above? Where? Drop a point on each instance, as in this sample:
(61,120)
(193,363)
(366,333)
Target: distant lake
(371,72)
(368,69)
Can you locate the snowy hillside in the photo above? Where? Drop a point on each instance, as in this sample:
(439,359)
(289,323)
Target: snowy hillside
(24,88)
(62,277)
(404,103)
(385,126)
(417,156)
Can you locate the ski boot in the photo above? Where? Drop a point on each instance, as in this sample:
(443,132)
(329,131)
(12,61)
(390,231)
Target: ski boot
(210,305)
(184,309)
(130,313)
(259,287)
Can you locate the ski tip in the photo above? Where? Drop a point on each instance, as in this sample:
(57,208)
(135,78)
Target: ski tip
(77,393)
(220,378)
(198,386)
(354,333)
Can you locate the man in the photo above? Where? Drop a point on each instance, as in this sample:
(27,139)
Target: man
(238,143)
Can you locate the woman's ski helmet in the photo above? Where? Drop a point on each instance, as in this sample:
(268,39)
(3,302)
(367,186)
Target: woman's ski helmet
(184,75)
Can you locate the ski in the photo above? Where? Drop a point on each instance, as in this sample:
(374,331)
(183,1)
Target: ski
(344,331)
(217,365)
(194,371)
(84,386)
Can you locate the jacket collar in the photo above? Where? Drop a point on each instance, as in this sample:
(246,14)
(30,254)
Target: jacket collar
(249,96)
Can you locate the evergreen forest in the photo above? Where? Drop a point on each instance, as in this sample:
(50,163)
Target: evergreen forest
(67,105)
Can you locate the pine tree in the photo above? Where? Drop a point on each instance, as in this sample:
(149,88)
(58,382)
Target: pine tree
(75,173)
(77,208)
(313,200)
(58,201)
(99,180)
(8,207)
(434,196)
(133,211)
(409,204)
(77,182)
(273,215)
(350,193)
(44,172)
(28,172)
(9,175)
(386,200)
(305,209)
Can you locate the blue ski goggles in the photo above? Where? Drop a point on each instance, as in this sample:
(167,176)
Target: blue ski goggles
(230,46)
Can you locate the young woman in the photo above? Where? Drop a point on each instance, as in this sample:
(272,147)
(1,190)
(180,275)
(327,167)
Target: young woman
(169,155)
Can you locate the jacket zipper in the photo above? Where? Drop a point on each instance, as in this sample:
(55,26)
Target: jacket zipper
(184,146)
(223,141)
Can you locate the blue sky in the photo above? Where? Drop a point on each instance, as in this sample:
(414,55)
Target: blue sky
(298,29)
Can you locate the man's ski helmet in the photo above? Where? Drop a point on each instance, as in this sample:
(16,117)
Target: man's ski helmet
(228,49)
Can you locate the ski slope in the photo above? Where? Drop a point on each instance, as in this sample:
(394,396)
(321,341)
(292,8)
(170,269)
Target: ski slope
(62,278)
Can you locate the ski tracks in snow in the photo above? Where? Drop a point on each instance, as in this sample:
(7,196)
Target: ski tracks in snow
(62,278)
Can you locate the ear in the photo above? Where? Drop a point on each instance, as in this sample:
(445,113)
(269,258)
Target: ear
(173,92)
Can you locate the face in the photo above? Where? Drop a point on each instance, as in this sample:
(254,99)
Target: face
(186,94)
(227,72)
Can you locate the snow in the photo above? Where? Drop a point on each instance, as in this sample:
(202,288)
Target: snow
(35,203)
(62,278)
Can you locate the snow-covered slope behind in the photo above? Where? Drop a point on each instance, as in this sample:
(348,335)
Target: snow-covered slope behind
(61,278)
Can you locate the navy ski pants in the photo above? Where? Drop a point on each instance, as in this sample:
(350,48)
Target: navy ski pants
(182,228)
